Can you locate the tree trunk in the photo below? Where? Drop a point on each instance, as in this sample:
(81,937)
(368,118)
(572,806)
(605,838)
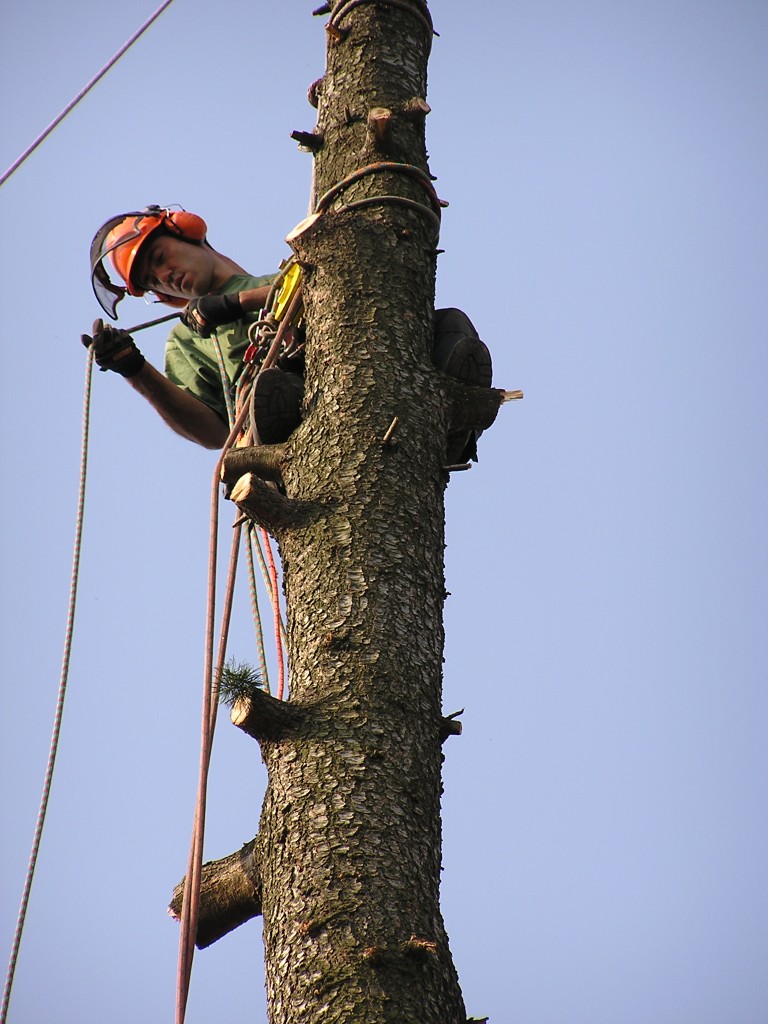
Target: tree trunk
(351,818)
(348,855)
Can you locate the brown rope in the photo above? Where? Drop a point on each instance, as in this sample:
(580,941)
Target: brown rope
(382,167)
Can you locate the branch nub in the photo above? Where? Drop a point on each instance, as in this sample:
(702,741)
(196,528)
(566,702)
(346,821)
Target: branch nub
(265,717)
(416,107)
(230,894)
(379,124)
(264,504)
(265,460)
(449,726)
(389,438)
(419,947)
(311,141)
(315,91)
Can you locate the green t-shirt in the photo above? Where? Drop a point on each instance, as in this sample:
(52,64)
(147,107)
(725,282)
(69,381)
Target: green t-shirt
(191,362)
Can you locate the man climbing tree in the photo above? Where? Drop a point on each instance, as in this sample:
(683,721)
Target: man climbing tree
(167,252)
(345,868)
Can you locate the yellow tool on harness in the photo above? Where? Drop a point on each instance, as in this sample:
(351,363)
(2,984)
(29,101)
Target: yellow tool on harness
(290,285)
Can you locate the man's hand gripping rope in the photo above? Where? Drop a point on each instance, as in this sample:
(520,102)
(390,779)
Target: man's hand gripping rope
(114,349)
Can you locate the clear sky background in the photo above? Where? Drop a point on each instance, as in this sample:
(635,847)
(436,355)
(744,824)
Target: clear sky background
(606,849)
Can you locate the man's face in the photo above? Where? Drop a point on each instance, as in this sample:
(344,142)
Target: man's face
(174,267)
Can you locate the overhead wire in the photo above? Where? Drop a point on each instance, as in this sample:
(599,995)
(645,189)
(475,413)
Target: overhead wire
(83,92)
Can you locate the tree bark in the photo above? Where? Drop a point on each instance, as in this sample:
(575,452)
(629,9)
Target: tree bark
(351,818)
(350,833)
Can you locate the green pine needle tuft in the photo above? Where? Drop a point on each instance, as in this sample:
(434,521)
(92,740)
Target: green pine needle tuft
(239,680)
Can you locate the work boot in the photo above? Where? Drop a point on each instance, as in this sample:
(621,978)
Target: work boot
(277,404)
(459,353)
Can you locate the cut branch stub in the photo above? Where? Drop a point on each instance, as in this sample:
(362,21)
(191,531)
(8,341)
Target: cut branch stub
(262,503)
(315,92)
(379,119)
(265,460)
(416,107)
(449,727)
(265,718)
(420,947)
(389,438)
(336,34)
(230,894)
(311,141)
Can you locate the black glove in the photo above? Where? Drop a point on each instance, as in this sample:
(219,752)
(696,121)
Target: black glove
(211,311)
(114,349)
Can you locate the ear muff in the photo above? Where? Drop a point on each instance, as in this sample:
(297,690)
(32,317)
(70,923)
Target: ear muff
(186,225)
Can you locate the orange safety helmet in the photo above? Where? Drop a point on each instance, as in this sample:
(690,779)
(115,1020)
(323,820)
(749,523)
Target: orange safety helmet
(122,237)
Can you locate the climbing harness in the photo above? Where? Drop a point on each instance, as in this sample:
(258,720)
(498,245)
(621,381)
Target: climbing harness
(60,697)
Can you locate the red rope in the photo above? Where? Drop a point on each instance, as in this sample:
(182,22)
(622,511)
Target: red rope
(276,611)
(190,909)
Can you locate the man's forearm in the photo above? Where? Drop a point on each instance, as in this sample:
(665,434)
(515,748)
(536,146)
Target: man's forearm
(254,299)
(184,414)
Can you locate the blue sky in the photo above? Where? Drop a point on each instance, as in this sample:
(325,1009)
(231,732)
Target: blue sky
(604,811)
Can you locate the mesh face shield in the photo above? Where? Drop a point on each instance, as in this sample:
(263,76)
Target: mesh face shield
(120,238)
